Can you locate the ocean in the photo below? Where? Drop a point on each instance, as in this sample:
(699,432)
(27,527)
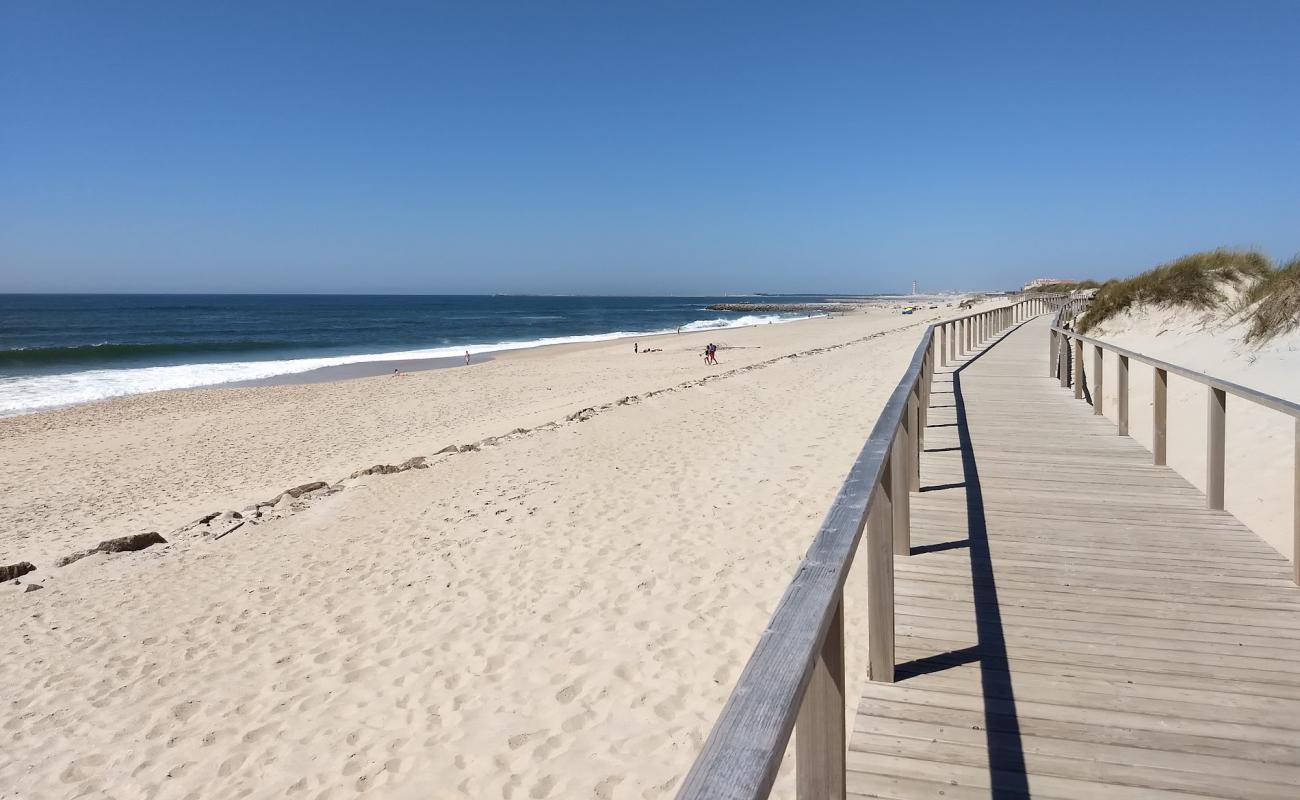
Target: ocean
(59,350)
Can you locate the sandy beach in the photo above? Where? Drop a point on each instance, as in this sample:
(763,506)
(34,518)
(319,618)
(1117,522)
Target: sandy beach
(558,611)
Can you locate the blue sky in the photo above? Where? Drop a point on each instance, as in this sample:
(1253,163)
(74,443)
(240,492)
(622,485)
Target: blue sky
(613,147)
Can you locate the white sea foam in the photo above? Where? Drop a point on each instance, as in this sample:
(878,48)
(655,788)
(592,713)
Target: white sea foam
(24,395)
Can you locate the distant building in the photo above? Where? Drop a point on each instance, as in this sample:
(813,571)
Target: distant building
(1036,282)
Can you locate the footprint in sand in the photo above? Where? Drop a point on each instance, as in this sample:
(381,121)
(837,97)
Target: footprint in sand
(568,693)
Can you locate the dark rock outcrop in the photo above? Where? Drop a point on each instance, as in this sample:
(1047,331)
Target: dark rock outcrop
(11,572)
(122,544)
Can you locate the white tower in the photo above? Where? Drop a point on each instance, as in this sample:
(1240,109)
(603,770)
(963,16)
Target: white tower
(914,288)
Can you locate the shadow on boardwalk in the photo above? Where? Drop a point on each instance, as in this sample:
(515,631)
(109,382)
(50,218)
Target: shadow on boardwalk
(1006,757)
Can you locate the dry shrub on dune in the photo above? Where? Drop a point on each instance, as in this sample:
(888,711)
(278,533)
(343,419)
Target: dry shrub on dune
(1276,303)
(1194,281)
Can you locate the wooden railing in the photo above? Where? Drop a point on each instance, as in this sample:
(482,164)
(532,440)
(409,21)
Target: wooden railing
(794,680)
(1065,353)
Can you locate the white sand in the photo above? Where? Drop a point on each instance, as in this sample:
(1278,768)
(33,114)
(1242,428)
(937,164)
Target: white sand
(1260,460)
(561,614)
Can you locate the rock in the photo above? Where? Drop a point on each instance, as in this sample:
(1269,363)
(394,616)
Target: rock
(11,572)
(451,448)
(415,462)
(517,431)
(206,518)
(285,501)
(294,493)
(229,515)
(33,587)
(581,416)
(128,544)
(469,448)
(299,491)
(378,469)
(124,544)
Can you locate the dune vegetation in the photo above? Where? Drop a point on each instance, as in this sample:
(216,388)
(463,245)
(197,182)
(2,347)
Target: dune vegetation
(1270,296)
(1275,302)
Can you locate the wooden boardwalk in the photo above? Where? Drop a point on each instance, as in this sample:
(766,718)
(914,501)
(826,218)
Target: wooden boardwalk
(1073,622)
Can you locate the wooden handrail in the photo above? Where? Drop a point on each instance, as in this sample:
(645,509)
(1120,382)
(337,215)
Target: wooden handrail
(1217,392)
(795,677)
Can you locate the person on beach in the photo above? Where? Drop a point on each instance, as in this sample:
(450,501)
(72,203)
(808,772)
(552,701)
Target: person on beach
(636,347)
(467,358)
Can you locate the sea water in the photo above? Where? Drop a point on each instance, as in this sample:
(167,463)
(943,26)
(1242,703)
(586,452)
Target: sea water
(59,350)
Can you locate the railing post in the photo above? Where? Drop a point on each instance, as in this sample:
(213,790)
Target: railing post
(952,343)
(1064,352)
(1097,365)
(1159,415)
(1214,448)
(1051,353)
(880,580)
(819,738)
(1121,394)
(1078,369)
(943,344)
(927,383)
(970,339)
(914,441)
(1295,509)
(901,505)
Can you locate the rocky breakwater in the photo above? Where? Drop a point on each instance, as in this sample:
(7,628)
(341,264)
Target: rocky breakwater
(790,308)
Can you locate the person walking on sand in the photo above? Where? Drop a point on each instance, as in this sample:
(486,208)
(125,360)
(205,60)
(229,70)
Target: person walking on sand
(636,347)
(467,358)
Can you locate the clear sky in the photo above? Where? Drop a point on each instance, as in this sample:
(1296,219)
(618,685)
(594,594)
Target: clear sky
(618,147)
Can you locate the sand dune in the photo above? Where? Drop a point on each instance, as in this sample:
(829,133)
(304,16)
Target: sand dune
(559,614)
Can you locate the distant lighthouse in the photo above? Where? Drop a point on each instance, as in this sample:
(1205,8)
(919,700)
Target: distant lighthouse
(914,288)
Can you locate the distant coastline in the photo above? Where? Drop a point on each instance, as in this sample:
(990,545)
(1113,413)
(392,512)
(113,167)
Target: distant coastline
(76,349)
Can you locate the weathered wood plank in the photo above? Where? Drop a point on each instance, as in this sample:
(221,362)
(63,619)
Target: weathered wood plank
(1073,620)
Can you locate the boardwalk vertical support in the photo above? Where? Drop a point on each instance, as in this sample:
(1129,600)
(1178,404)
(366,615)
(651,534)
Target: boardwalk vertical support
(914,440)
(819,741)
(1052,344)
(927,381)
(1097,394)
(943,345)
(1063,356)
(901,505)
(1214,447)
(1295,509)
(1159,415)
(1121,394)
(1078,369)
(880,580)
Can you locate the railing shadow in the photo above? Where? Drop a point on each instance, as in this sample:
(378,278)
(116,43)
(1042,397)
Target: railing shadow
(1006,756)
(1001,723)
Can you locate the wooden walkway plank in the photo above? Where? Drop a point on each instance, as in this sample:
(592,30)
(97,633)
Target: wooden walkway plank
(1073,622)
